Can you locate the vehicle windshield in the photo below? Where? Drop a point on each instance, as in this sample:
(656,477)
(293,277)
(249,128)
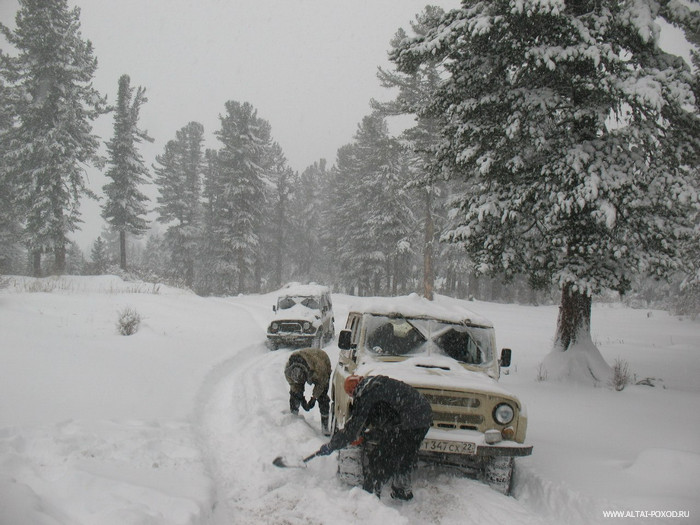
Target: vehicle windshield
(401,336)
(284,303)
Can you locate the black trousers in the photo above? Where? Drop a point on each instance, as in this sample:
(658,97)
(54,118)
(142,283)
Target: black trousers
(295,400)
(391,452)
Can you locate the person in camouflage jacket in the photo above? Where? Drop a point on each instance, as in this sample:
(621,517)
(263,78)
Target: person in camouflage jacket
(313,366)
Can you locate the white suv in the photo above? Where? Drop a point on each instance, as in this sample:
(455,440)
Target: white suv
(448,353)
(303,317)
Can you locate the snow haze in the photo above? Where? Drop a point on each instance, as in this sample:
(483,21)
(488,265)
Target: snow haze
(179,423)
(308,66)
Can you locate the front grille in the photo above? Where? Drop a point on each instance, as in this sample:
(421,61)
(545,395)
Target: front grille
(454,409)
(451,400)
(463,421)
(440,418)
(290,327)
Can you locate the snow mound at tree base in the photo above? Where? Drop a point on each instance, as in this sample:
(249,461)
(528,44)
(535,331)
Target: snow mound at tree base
(582,363)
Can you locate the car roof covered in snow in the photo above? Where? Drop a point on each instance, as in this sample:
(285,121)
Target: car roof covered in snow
(303,290)
(441,308)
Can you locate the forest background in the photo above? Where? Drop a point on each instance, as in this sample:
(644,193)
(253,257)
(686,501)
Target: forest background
(236,218)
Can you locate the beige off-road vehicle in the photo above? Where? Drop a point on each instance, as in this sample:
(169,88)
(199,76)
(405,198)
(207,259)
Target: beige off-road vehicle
(448,353)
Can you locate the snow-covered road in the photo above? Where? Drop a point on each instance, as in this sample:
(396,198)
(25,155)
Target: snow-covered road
(178,424)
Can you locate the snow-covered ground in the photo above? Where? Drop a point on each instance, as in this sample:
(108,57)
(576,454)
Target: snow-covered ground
(179,423)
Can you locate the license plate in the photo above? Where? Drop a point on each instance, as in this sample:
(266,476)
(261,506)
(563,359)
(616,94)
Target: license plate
(448,447)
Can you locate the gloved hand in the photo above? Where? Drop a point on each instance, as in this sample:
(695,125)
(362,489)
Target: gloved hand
(311,403)
(325,450)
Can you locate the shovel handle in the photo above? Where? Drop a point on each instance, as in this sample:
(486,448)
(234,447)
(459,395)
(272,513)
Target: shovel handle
(309,458)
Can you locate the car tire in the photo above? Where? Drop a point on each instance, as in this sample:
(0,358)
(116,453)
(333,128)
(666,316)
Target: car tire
(498,473)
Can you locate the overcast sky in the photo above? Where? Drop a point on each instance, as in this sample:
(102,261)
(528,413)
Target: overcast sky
(308,67)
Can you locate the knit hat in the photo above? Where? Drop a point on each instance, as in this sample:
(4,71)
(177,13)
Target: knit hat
(297,371)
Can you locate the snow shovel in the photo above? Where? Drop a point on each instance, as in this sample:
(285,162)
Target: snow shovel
(284,462)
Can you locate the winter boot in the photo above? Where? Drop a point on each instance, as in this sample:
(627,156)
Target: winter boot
(402,494)
(324,425)
(401,487)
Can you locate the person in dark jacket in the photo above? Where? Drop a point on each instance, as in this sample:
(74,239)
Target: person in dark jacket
(313,366)
(392,418)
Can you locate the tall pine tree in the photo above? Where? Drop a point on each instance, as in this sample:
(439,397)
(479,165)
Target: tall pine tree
(421,140)
(242,164)
(371,213)
(179,180)
(575,140)
(10,217)
(54,104)
(125,207)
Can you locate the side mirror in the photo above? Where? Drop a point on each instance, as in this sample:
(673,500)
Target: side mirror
(505,357)
(344,339)
(274,308)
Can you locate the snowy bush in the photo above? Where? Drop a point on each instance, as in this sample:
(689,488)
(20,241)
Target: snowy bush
(129,321)
(621,376)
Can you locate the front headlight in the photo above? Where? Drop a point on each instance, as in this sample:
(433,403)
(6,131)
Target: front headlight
(274,327)
(503,414)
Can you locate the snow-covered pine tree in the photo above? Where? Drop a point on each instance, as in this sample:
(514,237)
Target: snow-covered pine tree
(100,259)
(420,140)
(10,226)
(215,274)
(308,229)
(576,142)
(371,214)
(125,207)
(54,104)
(278,239)
(75,259)
(242,164)
(179,180)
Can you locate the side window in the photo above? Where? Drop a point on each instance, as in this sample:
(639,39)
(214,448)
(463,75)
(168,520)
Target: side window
(355,327)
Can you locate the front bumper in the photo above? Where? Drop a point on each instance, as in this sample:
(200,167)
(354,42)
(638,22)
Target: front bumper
(291,338)
(454,443)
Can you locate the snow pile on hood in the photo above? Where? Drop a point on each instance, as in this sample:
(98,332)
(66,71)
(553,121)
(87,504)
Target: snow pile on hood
(413,305)
(432,371)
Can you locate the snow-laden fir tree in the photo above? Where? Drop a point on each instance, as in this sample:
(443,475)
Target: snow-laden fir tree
(242,164)
(99,257)
(371,214)
(53,104)
(278,239)
(179,179)
(215,275)
(10,225)
(575,140)
(414,90)
(310,238)
(125,207)
(75,260)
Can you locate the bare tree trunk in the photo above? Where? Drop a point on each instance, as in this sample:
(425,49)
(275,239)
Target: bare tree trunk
(122,250)
(36,263)
(428,272)
(59,254)
(241,271)
(574,319)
